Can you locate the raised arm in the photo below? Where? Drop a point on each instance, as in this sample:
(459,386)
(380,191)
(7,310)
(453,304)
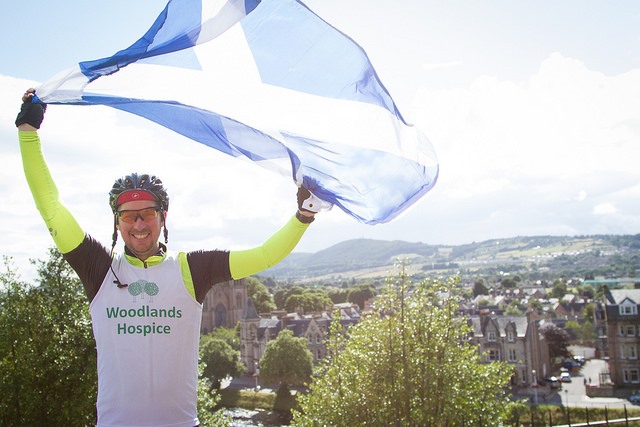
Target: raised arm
(251,261)
(64,229)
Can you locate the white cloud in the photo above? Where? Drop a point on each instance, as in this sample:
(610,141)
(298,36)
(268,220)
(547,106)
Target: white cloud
(604,209)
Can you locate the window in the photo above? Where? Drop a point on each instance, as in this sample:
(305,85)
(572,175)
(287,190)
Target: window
(628,351)
(628,308)
(511,355)
(631,330)
(493,356)
(631,376)
(510,336)
(491,336)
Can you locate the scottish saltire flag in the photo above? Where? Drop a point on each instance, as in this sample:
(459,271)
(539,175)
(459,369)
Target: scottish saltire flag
(273,83)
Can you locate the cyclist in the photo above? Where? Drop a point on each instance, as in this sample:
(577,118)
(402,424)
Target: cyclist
(145,304)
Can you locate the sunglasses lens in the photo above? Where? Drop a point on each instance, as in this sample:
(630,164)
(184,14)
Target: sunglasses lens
(131,216)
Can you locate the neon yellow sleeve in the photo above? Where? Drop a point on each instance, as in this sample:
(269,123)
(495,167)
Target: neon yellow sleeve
(64,229)
(251,261)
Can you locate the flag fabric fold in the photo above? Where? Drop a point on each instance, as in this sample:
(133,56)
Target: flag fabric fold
(273,83)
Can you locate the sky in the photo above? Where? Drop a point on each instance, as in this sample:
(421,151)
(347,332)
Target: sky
(533,108)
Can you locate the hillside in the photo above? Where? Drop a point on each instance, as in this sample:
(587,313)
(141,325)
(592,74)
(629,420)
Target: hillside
(537,257)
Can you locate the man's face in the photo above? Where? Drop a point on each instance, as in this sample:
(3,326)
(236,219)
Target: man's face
(141,235)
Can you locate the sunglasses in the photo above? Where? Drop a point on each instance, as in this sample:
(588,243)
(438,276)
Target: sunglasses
(146,214)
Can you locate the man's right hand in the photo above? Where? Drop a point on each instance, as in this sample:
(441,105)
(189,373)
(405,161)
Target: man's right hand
(31,113)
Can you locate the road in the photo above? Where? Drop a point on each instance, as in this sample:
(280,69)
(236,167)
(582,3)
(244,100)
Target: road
(574,394)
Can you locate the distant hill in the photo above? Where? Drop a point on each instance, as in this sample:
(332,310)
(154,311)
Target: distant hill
(536,256)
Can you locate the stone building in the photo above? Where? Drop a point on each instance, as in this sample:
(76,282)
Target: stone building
(513,339)
(224,305)
(622,335)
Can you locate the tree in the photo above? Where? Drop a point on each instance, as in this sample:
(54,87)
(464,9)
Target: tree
(229,335)
(47,352)
(220,360)
(360,294)
(286,359)
(281,295)
(309,301)
(559,289)
(408,363)
(479,288)
(557,340)
(260,295)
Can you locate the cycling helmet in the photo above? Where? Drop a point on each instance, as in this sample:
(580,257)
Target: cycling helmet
(138,187)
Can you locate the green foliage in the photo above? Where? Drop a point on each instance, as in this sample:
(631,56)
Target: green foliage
(220,360)
(310,301)
(513,309)
(479,288)
(208,398)
(360,294)
(229,335)
(338,296)
(408,363)
(286,359)
(47,352)
(557,340)
(281,295)
(260,295)
(559,289)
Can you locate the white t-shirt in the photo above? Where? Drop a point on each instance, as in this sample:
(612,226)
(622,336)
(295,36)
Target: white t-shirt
(147,338)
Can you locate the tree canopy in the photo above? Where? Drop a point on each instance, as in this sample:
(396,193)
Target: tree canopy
(286,359)
(220,360)
(260,295)
(408,363)
(46,348)
(557,340)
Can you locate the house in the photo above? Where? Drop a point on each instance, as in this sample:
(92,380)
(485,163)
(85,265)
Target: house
(515,340)
(622,335)
(257,330)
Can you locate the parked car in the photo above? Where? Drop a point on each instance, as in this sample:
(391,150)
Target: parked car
(635,399)
(565,377)
(554,382)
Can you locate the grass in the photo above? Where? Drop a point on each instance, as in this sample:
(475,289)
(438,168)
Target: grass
(248,399)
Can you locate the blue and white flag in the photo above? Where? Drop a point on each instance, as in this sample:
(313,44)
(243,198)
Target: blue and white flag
(271,82)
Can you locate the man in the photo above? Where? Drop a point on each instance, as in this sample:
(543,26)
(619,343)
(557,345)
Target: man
(145,304)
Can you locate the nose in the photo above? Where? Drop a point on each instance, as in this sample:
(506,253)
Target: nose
(139,220)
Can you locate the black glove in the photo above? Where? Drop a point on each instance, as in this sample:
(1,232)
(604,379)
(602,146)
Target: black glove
(307,201)
(31,113)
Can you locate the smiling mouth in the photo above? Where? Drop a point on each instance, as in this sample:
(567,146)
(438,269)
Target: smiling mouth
(140,236)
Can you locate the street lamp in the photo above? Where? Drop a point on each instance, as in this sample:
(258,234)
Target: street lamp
(535,387)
